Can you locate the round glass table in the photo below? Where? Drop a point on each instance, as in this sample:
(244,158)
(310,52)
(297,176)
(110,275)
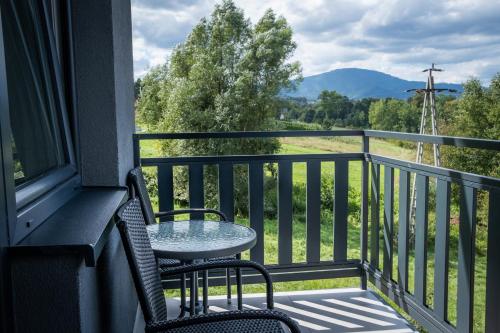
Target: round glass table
(194,239)
(197,240)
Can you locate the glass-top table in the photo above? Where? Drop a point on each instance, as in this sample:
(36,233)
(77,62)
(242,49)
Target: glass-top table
(197,239)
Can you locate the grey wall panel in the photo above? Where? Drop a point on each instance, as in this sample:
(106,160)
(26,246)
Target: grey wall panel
(119,304)
(124,84)
(91,315)
(36,301)
(69,296)
(104,89)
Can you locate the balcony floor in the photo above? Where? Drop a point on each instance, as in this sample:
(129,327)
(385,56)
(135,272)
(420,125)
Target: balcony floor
(332,310)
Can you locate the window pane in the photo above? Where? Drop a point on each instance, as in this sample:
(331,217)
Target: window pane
(35,98)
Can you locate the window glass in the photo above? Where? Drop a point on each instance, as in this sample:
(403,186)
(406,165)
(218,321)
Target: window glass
(36,98)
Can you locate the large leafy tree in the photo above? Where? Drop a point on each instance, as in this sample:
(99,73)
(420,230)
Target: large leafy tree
(149,105)
(334,106)
(226,76)
(394,115)
(358,117)
(476,114)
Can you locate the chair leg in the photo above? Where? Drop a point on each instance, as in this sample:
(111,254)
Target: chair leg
(192,294)
(183,296)
(205,291)
(239,285)
(228,284)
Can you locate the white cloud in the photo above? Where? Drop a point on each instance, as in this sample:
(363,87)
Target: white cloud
(147,55)
(399,37)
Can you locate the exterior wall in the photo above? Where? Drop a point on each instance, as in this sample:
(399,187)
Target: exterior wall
(72,297)
(60,275)
(104,89)
(102,32)
(119,306)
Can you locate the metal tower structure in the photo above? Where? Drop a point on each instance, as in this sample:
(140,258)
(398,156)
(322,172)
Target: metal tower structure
(428,108)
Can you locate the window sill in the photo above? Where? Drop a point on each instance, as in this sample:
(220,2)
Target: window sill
(81,226)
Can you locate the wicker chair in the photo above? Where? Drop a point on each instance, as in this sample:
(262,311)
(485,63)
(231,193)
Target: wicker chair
(150,293)
(138,188)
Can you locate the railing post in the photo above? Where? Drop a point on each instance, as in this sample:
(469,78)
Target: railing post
(137,150)
(466,251)
(340,210)
(165,189)
(364,211)
(256,207)
(441,253)
(375,216)
(421,231)
(285,208)
(388,230)
(226,189)
(196,189)
(493,270)
(313,211)
(403,229)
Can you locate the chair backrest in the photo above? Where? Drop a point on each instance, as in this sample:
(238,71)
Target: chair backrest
(142,261)
(138,185)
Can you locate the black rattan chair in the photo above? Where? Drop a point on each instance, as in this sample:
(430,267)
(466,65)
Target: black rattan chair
(147,281)
(138,188)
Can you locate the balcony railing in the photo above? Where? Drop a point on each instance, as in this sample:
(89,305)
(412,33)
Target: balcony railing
(385,254)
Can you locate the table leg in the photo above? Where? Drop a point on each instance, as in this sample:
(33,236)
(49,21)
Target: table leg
(205,291)
(193,286)
(239,285)
(228,285)
(198,306)
(194,302)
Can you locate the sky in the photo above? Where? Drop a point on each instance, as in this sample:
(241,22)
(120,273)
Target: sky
(398,37)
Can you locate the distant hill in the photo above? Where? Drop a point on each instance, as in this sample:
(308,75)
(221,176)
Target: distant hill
(357,83)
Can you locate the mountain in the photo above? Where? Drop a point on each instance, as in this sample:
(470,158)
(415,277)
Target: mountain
(357,83)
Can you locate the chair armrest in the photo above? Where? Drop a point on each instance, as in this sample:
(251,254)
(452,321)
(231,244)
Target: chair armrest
(192,210)
(226,263)
(221,317)
(168,263)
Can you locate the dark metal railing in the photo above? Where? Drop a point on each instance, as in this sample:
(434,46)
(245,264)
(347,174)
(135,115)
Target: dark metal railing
(381,230)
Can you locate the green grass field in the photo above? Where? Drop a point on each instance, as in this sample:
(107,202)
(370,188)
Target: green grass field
(344,145)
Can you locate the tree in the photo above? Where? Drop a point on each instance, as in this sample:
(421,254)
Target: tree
(358,117)
(320,117)
(477,115)
(149,104)
(309,115)
(137,88)
(297,107)
(444,106)
(226,76)
(394,115)
(334,105)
